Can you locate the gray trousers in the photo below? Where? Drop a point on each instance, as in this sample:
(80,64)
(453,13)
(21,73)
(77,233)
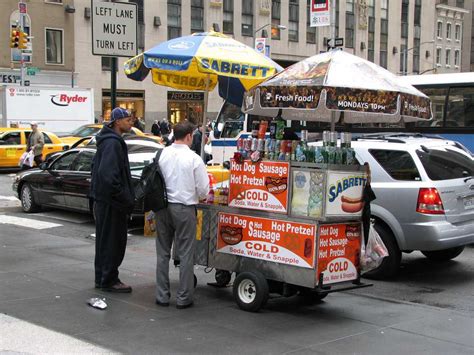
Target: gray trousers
(177,222)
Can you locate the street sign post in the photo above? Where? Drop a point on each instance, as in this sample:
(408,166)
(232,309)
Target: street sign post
(114,29)
(114,34)
(334,42)
(319,13)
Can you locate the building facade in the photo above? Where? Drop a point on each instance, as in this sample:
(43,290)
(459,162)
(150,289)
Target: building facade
(404,36)
(51,24)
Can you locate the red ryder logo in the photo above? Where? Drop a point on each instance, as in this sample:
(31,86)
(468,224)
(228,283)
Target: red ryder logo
(65,100)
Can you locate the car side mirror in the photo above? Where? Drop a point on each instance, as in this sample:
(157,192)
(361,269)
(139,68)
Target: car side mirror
(217,133)
(43,166)
(226,165)
(66,147)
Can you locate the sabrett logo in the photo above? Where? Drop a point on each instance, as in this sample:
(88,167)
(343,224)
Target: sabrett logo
(235,68)
(341,186)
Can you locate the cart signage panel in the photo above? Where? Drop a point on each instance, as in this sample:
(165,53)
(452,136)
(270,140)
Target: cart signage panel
(344,193)
(284,242)
(259,186)
(339,252)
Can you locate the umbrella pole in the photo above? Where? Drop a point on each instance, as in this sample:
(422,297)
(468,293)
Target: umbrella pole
(204,111)
(333,121)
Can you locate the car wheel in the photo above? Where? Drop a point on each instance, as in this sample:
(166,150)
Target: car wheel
(443,255)
(250,291)
(28,203)
(391,263)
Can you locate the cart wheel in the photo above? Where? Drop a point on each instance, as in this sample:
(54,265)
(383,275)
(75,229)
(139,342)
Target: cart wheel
(250,291)
(223,277)
(195,280)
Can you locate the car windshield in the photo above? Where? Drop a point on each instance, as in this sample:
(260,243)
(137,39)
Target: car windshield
(139,157)
(443,163)
(85,131)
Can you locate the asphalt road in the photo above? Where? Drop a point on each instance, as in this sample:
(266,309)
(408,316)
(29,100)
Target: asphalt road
(447,285)
(46,274)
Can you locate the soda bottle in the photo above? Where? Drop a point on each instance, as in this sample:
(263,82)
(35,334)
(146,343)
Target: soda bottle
(262,129)
(280,128)
(332,148)
(324,149)
(273,127)
(255,128)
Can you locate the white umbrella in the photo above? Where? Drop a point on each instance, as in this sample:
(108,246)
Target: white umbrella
(356,89)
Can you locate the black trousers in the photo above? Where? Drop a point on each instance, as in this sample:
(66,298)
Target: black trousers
(110,243)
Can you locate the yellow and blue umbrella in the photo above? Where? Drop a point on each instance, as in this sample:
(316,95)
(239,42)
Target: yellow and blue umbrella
(200,61)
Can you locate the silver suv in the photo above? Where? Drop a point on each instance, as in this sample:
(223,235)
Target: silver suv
(425,196)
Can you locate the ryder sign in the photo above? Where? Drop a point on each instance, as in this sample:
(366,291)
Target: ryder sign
(259,186)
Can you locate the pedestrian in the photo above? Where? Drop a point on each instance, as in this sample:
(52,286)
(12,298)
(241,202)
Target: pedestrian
(368,196)
(155,128)
(186,182)
(112,192)
(165,126)
(36,143)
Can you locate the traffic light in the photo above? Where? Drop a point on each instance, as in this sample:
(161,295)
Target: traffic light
(23,42)
(14,38)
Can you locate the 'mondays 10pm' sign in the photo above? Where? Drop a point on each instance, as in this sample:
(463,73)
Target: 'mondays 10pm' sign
(114,29)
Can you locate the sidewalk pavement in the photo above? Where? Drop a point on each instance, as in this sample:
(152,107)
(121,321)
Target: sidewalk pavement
(46,279)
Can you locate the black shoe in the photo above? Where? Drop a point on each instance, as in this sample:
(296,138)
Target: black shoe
(162,304)
(118,287)
(184,306)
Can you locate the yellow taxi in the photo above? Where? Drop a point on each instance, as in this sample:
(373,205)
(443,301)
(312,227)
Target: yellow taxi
(91,130)
(13,145)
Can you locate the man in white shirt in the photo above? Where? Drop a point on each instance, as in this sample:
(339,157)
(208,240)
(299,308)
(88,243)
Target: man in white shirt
(186,183)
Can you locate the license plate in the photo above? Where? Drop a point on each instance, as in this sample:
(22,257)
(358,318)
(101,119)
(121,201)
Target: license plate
(469,202)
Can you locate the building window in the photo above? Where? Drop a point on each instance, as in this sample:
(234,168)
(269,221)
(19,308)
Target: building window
(174,19)
(457,32)
(54,46)
(54,1)
(416,56)
(310,31)
(448,31)
(349,24)
(403,57)
(228,23)
(371,32)
(460,3)
(404,23)
(197,16)
(439,32)
(141,24)
(293,21)
(276,18)
(247,18)
(438,56)
(457,58)
(417,17)
(383,33)
(448,57)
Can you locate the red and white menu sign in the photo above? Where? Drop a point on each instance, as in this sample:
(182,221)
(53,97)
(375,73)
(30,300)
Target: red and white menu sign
(259,186)
(284,242)
(339,252)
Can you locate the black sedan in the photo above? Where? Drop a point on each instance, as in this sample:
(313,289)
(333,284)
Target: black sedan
(64,181)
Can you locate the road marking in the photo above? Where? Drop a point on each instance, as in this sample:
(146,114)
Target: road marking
(8,198)
(25,337)
(27,222)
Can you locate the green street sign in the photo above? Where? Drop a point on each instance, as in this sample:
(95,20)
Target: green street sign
(32,70)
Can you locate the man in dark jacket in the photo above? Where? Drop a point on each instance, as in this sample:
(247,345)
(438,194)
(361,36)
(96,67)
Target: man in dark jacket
(155,128)
(112,191)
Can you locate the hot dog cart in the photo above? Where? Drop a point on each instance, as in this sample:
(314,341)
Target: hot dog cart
(288,227)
